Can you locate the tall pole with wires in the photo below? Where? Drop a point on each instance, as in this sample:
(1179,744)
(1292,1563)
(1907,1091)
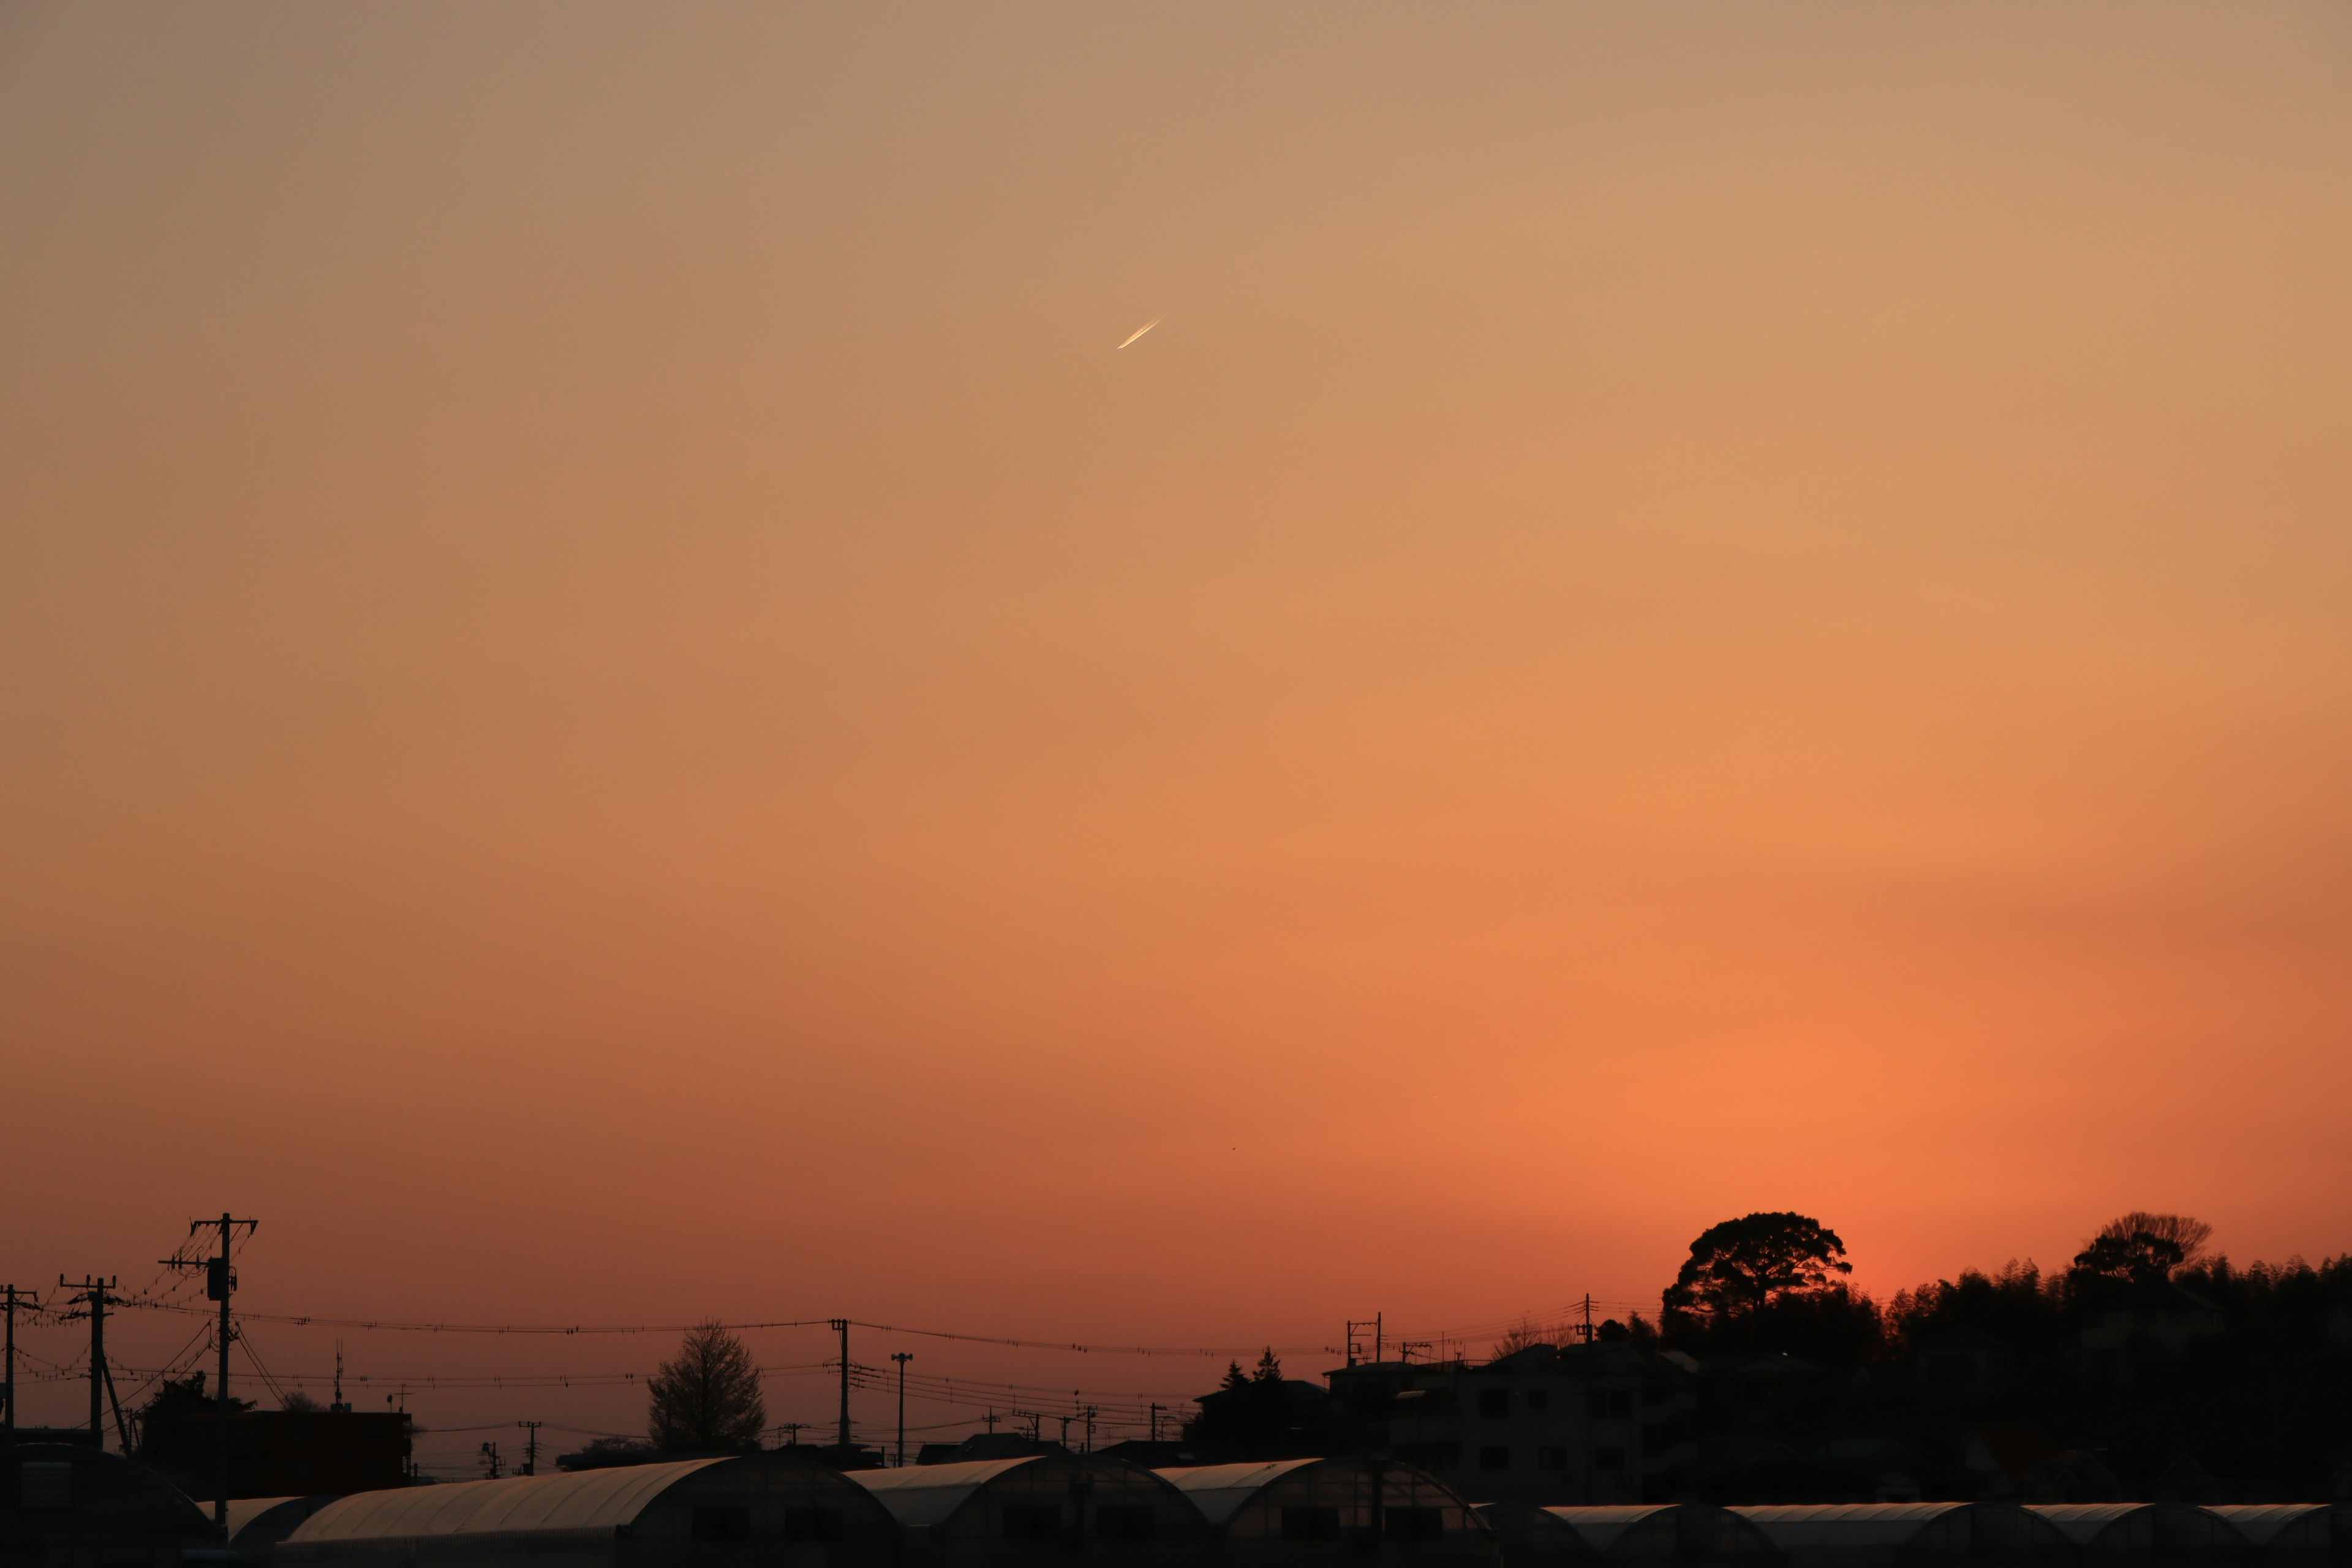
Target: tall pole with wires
(95,1300)
(220,1283)
(902,1358)
(841,1326)
(14,1297)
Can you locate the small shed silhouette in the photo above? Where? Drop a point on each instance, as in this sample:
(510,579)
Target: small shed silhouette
(2147,1532)
(1296,1512)
(1038,1509)
(2292,1532)
(257,1524)
(1884,1534)
(67,1506)
(756,1511)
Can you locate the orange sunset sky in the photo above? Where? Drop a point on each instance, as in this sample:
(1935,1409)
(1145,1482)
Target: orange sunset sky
(615,706)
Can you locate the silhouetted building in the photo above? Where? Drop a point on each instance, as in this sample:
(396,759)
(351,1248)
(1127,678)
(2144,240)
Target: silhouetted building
(2013,1463)
(1165,1453)
(1269,1418)
(1604,1423)
(689,1513)
(69,1506)
(279,1453)
(990,1445)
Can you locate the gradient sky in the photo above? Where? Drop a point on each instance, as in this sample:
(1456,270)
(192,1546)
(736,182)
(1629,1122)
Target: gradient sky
(614,705)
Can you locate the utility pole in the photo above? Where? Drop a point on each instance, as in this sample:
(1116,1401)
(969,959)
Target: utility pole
(101,1380)
(841,1325)
(531,1447)
(220,1283)
(902,1358)
(791,1431)
(1090,1430)
(491,1462)
(1585,1329)
(1156,1409)
(14,1297)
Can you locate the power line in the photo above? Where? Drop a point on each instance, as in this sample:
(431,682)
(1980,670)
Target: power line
(389,1325)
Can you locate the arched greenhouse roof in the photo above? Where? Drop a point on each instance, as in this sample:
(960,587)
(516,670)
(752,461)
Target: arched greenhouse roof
(1221,1491)
(2262,1524)
(246,1513)
(920,1496)
(589,1499)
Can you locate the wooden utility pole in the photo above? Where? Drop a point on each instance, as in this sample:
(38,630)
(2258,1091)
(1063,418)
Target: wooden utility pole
(15,1298)
(101,1381)
(842,1326)
(220,1283)
(902,1358)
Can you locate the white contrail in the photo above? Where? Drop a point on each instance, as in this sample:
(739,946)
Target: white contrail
(1143,329)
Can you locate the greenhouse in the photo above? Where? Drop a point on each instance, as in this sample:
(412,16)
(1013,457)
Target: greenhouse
(748,1512)
(64,1505)
(256,1525)
(1883,1534)
(1038,1508)
(2292,1532)
(1533,1537)
(1300,1511)
(2136,1532)
(1680,1533)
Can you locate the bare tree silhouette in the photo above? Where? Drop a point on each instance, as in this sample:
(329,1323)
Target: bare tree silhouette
(709,1396)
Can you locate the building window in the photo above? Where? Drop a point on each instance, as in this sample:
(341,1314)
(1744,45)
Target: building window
(719,1522)
(1552,1459)
(1610,1458)
(1538,1399)
(1310,1524)
(1494,1404)
(1414,1523)
(812,1525)
(1032,1520)
(1494,1458)
(1621,1404)
(1126,1521)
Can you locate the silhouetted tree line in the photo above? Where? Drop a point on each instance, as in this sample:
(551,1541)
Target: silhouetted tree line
(1771,1282)
(2147,1353)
